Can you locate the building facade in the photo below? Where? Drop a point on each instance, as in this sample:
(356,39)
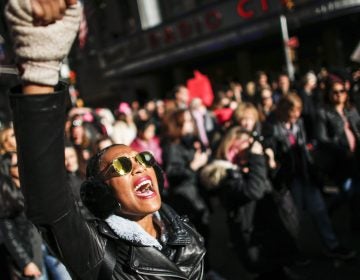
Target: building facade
(141,49)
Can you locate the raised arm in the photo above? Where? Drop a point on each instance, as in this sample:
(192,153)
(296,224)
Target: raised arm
(38,106)
(239,189)
(39,129)
(48,11)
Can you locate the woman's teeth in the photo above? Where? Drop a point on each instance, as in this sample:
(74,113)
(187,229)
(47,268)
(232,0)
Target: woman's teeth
(143,186)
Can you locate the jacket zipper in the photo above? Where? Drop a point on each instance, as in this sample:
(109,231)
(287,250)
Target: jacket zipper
(160,274)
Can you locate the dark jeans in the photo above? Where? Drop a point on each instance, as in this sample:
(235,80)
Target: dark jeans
(307,196)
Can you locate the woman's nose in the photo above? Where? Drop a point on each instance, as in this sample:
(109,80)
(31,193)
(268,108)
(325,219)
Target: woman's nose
(137,167)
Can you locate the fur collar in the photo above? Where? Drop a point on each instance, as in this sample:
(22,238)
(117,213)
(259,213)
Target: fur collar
(131,231)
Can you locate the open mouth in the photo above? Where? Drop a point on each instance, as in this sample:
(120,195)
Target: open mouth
(144,189)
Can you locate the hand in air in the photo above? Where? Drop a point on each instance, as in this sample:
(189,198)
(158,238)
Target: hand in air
(40,48)
(256,148)
(48,11)
(200,159)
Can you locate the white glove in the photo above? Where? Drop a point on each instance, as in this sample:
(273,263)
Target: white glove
(40,49)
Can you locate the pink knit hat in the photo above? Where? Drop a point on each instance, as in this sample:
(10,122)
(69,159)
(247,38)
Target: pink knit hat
(124,108)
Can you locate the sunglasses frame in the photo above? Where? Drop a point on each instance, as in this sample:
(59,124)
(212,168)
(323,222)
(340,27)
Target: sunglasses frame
(342,91)
(112,171)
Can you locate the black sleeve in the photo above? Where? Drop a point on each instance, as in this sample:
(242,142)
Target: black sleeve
(354,119)
(268,133)
(256,181)
(177,168)
(39,129)
(239,189)
(328,144)
(14,243)
(321,129)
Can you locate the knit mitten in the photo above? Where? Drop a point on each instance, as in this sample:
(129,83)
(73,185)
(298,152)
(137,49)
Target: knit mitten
(40,49)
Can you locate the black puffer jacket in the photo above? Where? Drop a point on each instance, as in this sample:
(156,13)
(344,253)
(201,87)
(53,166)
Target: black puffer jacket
(39,126)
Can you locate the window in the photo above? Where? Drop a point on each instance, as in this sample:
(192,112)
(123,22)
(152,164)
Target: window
(149,11)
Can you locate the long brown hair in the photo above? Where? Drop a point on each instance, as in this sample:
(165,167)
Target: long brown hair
(286,103)
(173,124)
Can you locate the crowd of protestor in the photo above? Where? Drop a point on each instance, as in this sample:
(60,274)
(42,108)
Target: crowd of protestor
(265,149)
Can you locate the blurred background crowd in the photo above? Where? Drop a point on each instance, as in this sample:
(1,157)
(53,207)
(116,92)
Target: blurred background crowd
(269,146)
(268,150)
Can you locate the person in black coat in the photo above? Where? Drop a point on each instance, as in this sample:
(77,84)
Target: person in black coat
(135,235)
(75,178)
(239,177)
(312,100)
(338,135)
(183,157)
(296,170)
(22,241)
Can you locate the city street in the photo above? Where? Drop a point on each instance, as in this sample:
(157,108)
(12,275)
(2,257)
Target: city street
(248,108)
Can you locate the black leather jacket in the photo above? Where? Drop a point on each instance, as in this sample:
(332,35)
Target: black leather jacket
(21,239)
(292,161)
(331,132)
(39,128)
(334,155)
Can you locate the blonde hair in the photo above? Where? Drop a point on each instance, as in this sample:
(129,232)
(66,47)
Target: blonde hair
(236,132)
(3,138)
(242,108)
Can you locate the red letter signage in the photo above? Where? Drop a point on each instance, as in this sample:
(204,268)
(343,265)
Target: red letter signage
(213,20)
(242,11)
(185,29)
(265,5)
(169,35)
(154,40)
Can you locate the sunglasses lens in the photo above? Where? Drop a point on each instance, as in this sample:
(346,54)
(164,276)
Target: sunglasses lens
(122,165)
(146,159)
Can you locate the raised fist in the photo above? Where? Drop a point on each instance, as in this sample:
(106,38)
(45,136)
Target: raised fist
(40,49)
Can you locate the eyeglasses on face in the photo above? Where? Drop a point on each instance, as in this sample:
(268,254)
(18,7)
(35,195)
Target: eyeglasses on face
(77,122)
(266,97)
(339,91)
(123,165)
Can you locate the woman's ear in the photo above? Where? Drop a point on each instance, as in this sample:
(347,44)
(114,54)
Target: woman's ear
(98,197)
